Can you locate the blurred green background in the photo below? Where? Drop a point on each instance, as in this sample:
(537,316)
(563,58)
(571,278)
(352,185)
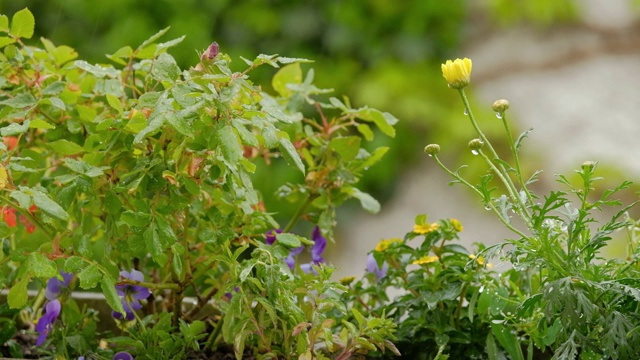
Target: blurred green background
(381,53)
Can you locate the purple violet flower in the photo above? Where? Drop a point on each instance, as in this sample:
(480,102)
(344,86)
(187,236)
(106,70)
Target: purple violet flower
(291,259)
(372,267)
(55,285)
(131,294)
(45,324)
(123,355)
(270,236)
(319,244)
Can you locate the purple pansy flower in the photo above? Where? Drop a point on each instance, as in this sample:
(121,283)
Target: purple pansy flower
(372,267)
(131,294)
(45,324)
(55,285)
(123,355)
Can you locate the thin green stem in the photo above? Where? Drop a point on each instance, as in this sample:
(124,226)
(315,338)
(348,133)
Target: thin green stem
(523,211)
(516,158)
(299,213)
(149,285)
(489,203)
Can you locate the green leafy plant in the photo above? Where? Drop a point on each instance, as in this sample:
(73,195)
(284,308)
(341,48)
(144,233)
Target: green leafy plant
(137,180)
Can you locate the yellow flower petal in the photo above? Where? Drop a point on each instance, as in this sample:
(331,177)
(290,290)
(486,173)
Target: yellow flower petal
(426,260)
(457,72)
(425,229)
(384,244)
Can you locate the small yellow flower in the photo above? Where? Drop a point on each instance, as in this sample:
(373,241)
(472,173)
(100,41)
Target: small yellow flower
(457,226)
(425,229)
(426,260)
(479,259)
(489,266)
(384,244)
(457,72)
(347,280)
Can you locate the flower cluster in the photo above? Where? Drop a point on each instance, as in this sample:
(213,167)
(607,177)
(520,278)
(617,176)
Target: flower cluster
(423,229)
(52,308)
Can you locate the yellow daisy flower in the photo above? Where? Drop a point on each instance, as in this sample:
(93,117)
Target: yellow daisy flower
(457,72)
(426,260)
(384,244)
(425,229)
(457,226)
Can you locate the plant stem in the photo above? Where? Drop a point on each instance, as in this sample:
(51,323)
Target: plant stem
(299,213)
(516,158)
(506,179)
(489,203)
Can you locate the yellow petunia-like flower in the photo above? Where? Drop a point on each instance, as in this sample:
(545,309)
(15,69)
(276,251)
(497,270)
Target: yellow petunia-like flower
(425,229)
(426,260)
(384,244)
(457,72)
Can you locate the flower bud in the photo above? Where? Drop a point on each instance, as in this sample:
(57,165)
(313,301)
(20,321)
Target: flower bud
(432,149)
(475,145)
(457,72)
(212,51)
(588,165)
(500,106)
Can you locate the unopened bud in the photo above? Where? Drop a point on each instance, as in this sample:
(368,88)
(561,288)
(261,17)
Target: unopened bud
(212,51)
(588,165)
(475,145)
(432,149)
(500,106)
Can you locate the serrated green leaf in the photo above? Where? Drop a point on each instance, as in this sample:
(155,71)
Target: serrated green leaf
(20,101)
(97,70)
(4,41)
(89,277)
(44,203)
(65,147)
(135,218)
(40,124)
(229,143)
(366,201)
(508,340)
(73,264)
(180,123)
(136,123)
(362,322)
(4,23)
(17,296)
(40,266)
(178,252)
(290,74)
(347,146)
(289,240)
(289,152)
(115,103)
(23,24)
(82,167)
(153,38)
(384,123)
(108,286)
(154,245)
(165,68)
(15,129)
